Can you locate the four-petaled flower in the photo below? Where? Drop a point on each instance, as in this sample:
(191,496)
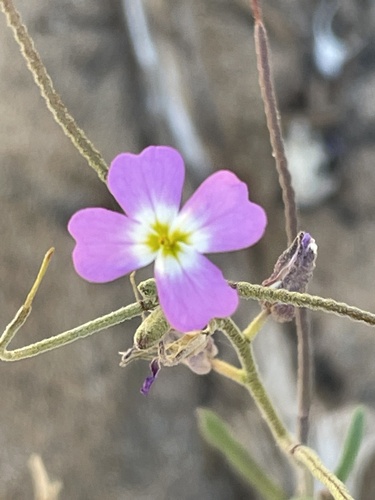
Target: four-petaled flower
(148,187)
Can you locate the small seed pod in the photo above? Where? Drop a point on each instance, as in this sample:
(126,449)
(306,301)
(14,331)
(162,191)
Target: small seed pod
(151,330)
(293,271)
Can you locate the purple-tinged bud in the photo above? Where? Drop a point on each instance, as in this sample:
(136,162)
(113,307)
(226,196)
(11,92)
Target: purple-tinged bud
(293,271)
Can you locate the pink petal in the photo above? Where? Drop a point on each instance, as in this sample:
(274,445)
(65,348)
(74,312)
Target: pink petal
(220,216)
(192,290)
(148,183)
(106,246)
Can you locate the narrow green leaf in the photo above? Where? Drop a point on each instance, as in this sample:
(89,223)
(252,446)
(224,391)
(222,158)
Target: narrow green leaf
(216,432)
(351,445)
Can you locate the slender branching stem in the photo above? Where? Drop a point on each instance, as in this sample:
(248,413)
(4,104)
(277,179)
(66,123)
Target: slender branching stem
(62,339)
(311,461)
(229,371)
(273,122)
(102,323)
(305,373)
(48,92)
(253,383)
(253,328)
(245,290)
(23,313)
(300,453)
(290,210)
(313,302)
(305,486)
(247,375)
(264,293)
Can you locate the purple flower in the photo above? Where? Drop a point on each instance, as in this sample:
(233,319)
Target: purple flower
(148,187)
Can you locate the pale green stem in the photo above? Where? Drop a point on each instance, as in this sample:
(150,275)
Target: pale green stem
(302,454)
(252,382)
(313,302)
(48,92)
(25,310)
(229,371)
(62,339)
(253,328)
(259,292)
(311,461)
(111,319)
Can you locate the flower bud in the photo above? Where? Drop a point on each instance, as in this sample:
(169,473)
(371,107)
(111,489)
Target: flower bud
(151,330)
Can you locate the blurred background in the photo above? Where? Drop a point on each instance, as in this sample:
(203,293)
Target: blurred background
(183,73)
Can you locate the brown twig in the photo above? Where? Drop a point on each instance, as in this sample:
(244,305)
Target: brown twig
(274,127)
(290,210)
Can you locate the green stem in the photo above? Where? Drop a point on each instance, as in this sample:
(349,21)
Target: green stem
(111,319)
(48,92)
(252,382)
(312,462)
(314,302)
(23,313)
(302,454)
(94,326)
(259,292)
(253,328)
(229,371)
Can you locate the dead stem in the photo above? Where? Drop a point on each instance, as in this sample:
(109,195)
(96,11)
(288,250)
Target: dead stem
(290,210)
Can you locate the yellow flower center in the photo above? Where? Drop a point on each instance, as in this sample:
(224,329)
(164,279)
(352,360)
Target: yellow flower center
(169,242)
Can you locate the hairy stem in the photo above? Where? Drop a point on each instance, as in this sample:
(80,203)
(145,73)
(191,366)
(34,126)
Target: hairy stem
(301,454)
(313,302)
(48,92)
(62,339)
(264,293)
(111,319)
(252,382)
